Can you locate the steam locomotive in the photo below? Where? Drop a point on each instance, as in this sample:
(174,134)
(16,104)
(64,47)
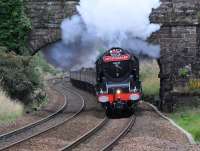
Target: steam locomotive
(115,81)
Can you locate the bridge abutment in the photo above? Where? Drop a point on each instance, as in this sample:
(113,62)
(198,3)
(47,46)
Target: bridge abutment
(179,39)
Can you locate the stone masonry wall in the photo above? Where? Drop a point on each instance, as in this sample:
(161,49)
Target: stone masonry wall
(179,38)
(46,17)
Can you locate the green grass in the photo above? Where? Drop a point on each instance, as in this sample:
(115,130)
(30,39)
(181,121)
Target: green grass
(149,71)
(189,119)
(9,109)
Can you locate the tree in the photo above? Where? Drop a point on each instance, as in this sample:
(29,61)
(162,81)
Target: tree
(14,26)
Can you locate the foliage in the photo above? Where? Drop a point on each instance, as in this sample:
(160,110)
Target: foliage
(3,49)
(149,71)
(9,109)
(189,119)
(20,74)
(42,66)
(19,78)
(183,72)
(14,26)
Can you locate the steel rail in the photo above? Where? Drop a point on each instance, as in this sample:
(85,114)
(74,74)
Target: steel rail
(31,125)
(59,124)
(93,131)
(85,136)
(97,128)
(122,133)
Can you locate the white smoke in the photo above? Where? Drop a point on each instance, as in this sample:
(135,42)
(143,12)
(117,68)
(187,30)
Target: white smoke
(109,19)
(109,23)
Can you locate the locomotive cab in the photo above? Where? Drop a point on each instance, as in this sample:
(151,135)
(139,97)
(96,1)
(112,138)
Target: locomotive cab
(118,86)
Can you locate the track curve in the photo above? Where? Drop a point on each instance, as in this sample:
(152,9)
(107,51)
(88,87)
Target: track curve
(15,137)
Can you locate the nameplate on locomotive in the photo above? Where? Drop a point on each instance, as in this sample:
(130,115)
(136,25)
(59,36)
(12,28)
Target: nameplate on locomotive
(116,55)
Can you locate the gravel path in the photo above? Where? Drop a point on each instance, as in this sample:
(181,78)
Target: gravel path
(152,133)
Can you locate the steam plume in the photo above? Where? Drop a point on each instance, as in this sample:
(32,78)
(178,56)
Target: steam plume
(102,24)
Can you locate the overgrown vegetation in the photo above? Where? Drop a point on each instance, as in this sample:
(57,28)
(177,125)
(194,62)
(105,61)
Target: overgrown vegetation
(20,78)
(183,72)
(14,26)
(42,66)
(9,109)
(149,71)
(189,119)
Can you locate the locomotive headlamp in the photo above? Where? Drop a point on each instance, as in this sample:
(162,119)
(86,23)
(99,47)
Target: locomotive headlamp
(103,99)
(118,91)
(134,97)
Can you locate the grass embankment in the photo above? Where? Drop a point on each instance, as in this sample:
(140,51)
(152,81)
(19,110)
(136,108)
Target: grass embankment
(9,109)
(189,119)
(149,71)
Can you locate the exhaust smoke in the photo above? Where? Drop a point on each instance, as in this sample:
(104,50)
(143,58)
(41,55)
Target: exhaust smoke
(102,24)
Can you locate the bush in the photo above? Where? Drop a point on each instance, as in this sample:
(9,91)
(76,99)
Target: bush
(183,72)
(19,78)
(14,26)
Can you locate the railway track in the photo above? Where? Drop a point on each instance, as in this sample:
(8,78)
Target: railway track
(86,135)
(10,140)
(78,144)
(122,133)
(34,129)
(105,147)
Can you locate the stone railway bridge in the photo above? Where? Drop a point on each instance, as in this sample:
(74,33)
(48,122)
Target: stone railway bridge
(179,38)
